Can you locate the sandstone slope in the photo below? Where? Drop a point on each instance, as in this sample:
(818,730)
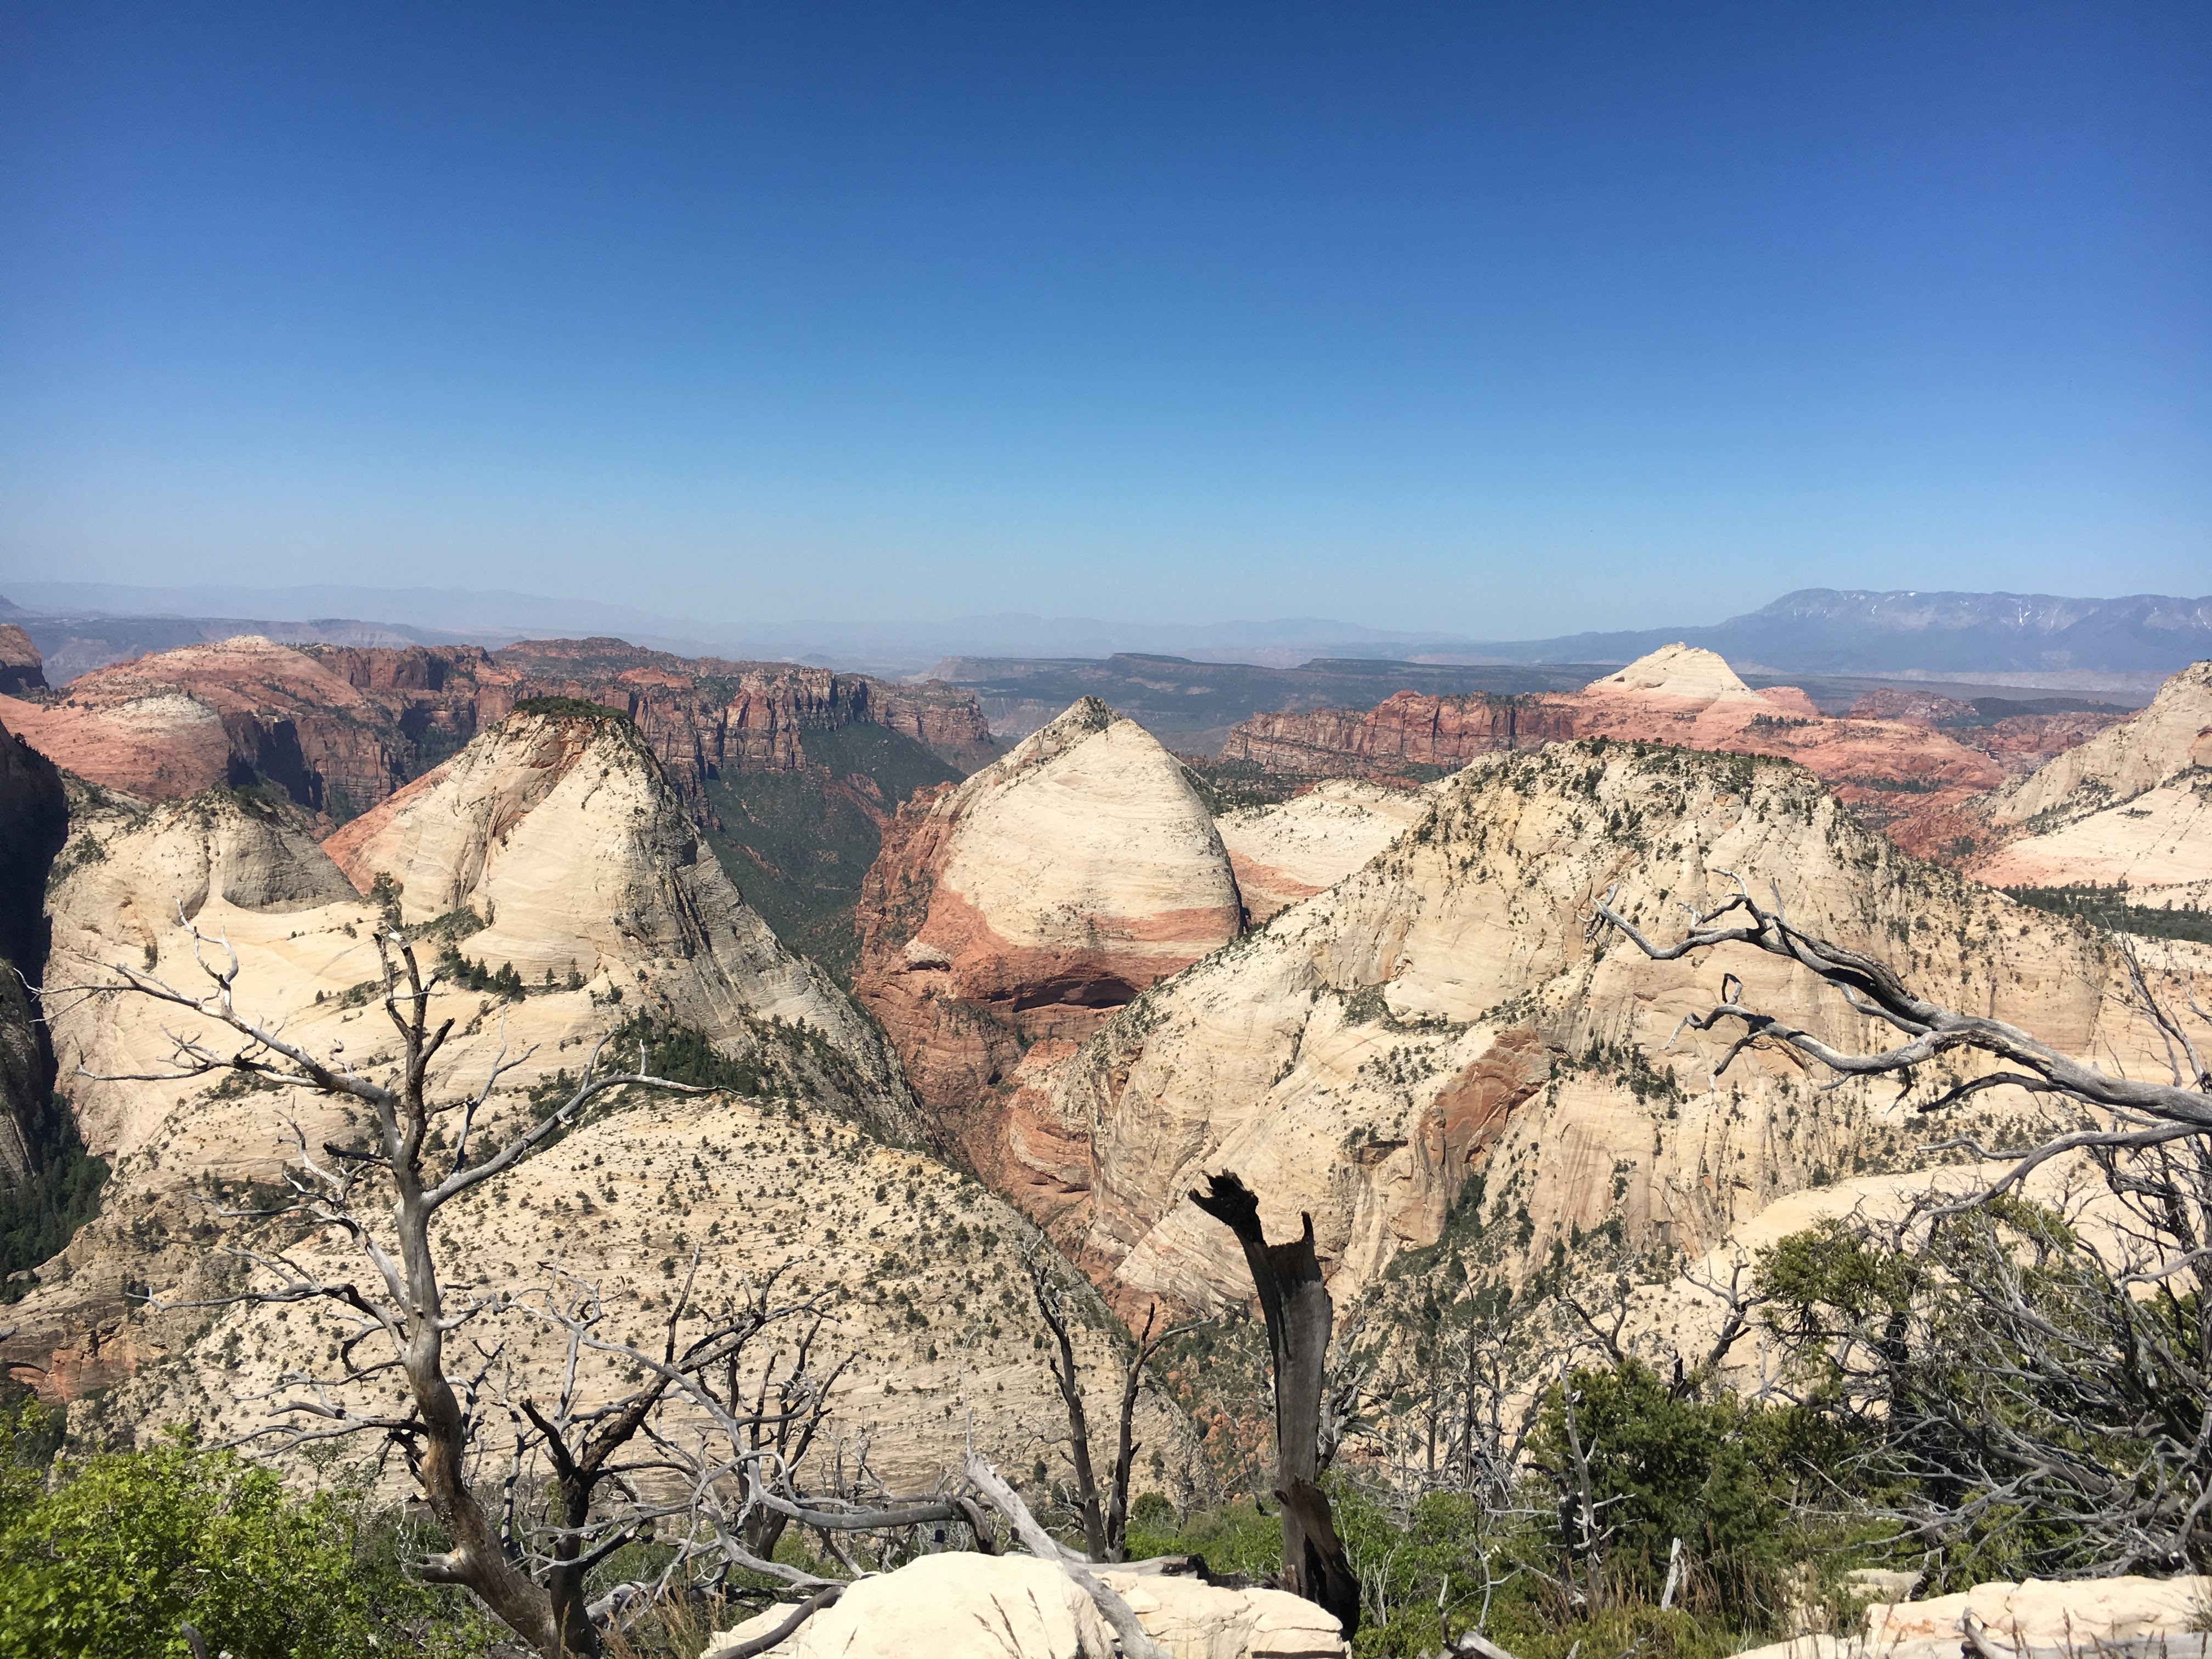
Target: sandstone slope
(2132,805)
(1282,854)
(1025,904)
(789,1169)
(1435,1029)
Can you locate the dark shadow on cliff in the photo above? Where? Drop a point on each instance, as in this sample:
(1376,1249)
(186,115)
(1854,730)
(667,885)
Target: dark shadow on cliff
(797,844)
(49,1184)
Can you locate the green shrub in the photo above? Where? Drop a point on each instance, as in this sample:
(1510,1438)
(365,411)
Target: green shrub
(126,1547)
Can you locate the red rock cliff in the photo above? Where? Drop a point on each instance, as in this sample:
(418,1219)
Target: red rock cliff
(1676,695)
(341,728)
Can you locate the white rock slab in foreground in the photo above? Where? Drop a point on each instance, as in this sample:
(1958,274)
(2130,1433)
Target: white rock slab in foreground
(2127,1618)
(1016,1607)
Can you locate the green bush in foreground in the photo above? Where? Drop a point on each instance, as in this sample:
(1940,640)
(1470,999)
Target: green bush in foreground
(113,1554)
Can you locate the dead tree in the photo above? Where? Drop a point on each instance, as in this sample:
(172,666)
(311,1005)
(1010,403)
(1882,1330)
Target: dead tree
(1051,1308)
(2014,1364)
(2144,1112)
(1148,1343)
(1105,1517)
(1299,1316)
(381,1198)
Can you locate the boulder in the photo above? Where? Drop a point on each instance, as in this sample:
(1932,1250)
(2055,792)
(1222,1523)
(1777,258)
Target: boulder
(2127,1618)
(1196,1621)
(1016,1607)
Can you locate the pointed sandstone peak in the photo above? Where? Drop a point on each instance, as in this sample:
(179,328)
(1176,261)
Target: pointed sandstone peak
(560,834)
(1031,900)
(1086,844)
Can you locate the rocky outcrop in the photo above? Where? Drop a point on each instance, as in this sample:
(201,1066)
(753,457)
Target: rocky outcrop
(562,837)
(1284,855)
(337,728)
(567,838)
(1016,1607)
(2127,1618)
(34,822)
(1436,1030)
(22,668)
(1677,694)
(2132,805)
(170,726)
(1029,902)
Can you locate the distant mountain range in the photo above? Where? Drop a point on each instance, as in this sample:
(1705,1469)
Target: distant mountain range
(1815,630)
(1840,631)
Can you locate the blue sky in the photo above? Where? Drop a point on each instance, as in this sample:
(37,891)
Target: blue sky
(1500,320)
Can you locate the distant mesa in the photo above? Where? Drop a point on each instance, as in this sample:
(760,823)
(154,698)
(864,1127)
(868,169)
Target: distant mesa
(338,728)
(1679,694)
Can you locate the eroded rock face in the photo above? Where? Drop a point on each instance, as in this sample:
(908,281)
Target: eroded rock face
(34,822)
(1284,855)
(1409,730)
(701,716)
(562,835)
(2132,805)
(1679,694)
(22,668)
(785,1172)
(1438,1016)
(1030,901)
(338,728)
(169,726)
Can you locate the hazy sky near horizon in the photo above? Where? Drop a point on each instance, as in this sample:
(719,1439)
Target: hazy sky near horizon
(1503,320)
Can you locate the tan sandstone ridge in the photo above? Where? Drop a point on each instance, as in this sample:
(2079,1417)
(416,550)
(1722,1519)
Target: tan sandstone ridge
(1679,694)
(340,727)
(2132,805)
(562,835)
(1439,1020)
(1019,908)
(792,1172)
(1286,854)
